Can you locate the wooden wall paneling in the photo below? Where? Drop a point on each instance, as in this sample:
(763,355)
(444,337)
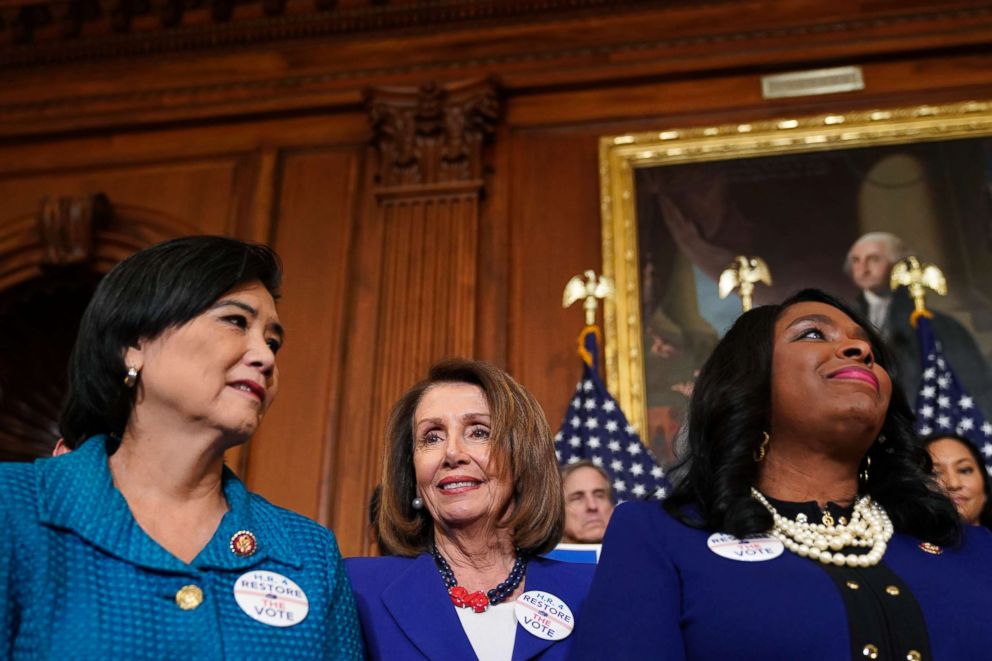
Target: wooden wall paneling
(289,459)
(554,220)
(428,180)
(253,191)
(493,268)
(197,194)
(357,452)
(149,203)
(728,94)
(255,184)
(189,142)
(691,41)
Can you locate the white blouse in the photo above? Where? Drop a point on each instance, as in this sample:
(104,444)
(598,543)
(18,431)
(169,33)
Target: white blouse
(491,633)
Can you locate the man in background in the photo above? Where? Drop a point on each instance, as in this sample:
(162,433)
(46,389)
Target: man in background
(588,502)
(869,264)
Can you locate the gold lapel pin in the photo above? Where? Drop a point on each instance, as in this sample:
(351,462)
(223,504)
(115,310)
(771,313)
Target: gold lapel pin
(243,543)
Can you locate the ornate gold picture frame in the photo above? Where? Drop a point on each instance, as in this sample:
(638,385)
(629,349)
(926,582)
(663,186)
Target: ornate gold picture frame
(789,148)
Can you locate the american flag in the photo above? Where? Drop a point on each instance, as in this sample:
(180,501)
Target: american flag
(942,405)
(596,429)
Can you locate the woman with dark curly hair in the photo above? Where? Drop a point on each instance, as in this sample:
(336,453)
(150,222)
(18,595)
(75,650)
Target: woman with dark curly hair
(803,524)
(960,469)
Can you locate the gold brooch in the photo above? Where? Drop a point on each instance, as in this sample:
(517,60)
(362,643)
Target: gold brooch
(932,549)
(243,543)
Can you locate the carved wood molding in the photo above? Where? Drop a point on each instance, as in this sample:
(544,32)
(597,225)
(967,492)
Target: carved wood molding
(72,231)
(46,31)
(432,137)
(331,74)
(67,225)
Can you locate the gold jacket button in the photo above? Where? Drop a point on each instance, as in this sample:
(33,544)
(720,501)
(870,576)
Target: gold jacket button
(913,655)
(189,597)
(870,651)
(893,590)
(853,585)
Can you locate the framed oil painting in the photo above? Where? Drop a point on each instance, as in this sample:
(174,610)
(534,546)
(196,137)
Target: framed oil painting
(679,204)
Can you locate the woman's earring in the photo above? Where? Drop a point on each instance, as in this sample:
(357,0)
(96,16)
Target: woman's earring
(418,503)
(759,454)
(131,378)
(863,475)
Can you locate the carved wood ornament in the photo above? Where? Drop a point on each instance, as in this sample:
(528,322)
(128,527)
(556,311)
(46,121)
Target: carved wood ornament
(66,227)
(69,30)
(434,134)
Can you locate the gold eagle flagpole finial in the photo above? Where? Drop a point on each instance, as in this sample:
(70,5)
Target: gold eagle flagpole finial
(742,274)
(917,277)
(590,289)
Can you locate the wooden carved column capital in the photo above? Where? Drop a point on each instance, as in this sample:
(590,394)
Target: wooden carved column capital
(66,226)
(433,136)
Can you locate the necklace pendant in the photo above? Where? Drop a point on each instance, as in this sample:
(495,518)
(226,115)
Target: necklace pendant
(462,598)
(458,596)
(479,602)
(827,519)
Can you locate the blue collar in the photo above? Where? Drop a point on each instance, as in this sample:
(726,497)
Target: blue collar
(420,606)
(76,492)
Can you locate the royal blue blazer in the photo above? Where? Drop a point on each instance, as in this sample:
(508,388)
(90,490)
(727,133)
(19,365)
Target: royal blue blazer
(405,611)
(660,593)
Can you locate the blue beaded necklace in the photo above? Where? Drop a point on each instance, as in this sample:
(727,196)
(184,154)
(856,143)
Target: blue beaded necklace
(478,601)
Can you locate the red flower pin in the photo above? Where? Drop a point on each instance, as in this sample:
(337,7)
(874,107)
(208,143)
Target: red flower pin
(459,596)
(478,601)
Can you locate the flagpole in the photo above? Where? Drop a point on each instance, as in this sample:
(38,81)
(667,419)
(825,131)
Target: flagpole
(594,428)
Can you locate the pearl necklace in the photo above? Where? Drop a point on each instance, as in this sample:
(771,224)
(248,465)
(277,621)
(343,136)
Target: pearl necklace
(869,527)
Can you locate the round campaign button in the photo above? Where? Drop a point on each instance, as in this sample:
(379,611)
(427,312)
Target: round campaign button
(749,549)
(271,598)
(544,615)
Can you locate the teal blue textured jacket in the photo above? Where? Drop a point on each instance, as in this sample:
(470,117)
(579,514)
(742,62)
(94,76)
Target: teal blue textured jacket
(80,579)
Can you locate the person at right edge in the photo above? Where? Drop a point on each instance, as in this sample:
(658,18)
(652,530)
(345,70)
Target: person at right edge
(804,523)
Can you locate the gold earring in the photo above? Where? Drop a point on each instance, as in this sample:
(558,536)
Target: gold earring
(863,475)
(759,454)
(131,378)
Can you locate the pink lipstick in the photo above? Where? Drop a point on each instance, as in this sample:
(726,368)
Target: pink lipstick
(856,374)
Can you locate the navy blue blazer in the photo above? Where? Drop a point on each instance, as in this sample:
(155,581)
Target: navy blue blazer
(660,593)
(405,611)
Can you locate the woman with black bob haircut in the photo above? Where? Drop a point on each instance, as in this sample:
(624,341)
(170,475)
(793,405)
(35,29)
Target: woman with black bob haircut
(803,522)
(136,542)
(159,288)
